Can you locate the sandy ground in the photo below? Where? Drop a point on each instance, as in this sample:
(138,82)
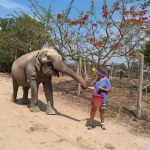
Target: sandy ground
(22,129)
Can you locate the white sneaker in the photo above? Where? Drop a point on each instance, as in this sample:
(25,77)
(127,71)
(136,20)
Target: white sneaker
(90,126)
(103,126)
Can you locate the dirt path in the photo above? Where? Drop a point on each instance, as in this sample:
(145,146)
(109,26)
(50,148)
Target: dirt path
(21,129)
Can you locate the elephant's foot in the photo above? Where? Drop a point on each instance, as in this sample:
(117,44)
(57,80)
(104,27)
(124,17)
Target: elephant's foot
(35,109)
(13,100)
(25,101)
(50,111)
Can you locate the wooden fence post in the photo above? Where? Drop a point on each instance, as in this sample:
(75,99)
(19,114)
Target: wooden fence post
(141,64)
(85,71)
(80,74)
(111,72)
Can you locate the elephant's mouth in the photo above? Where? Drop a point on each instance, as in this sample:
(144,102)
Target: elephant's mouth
(49,64)
(48,69)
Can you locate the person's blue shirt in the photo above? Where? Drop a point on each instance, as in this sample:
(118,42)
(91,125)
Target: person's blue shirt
(105,83)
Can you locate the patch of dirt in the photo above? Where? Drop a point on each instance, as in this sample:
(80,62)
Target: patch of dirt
(22,129)
(122,103)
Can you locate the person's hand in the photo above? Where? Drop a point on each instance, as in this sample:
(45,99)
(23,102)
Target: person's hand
(100,88)
(91,87)
(84,88)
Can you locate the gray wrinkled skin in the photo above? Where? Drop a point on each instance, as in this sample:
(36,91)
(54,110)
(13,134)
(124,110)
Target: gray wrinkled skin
(38,67)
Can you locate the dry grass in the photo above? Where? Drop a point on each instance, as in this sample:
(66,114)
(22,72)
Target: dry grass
(122,103)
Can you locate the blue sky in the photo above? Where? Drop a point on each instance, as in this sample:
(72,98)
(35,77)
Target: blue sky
(9,6)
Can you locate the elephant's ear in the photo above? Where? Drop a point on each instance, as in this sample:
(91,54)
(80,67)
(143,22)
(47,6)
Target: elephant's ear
(37,61)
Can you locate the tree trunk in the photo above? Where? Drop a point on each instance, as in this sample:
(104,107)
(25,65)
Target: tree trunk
(85,72)
(79,73)
(129,71)
(111,72)
(140,86)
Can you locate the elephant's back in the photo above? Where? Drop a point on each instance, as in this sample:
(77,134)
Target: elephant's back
(19,62)
(19,65)
(18,70)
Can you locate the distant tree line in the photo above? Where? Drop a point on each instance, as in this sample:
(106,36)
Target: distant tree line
(146,52)
(94,37)
(19,35)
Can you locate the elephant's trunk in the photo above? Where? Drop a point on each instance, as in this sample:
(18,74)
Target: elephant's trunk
(60,66)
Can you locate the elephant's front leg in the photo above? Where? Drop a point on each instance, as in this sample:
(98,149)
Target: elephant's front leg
(49,97)
(15,90)
(34,96)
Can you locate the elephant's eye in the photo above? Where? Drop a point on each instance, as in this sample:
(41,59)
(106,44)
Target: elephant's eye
(49,64)
(48,56)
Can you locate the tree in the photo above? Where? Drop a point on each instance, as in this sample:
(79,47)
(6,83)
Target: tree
(134,71)
(146,52)
(19,35)
(96,36)
(5,55)
(123,66)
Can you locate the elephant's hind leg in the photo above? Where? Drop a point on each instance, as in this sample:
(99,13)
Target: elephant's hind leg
(25,99)
(15,90)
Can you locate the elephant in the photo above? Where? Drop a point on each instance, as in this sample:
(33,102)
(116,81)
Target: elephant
(36,67)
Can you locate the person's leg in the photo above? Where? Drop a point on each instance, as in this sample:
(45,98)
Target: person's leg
(92,115)
(102,114)
(102,117)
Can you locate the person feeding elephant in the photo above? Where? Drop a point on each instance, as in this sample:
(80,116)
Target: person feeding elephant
(101,86)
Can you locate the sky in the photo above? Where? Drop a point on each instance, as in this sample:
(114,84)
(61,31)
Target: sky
(10,6)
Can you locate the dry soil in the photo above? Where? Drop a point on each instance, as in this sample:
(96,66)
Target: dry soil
(21,129)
